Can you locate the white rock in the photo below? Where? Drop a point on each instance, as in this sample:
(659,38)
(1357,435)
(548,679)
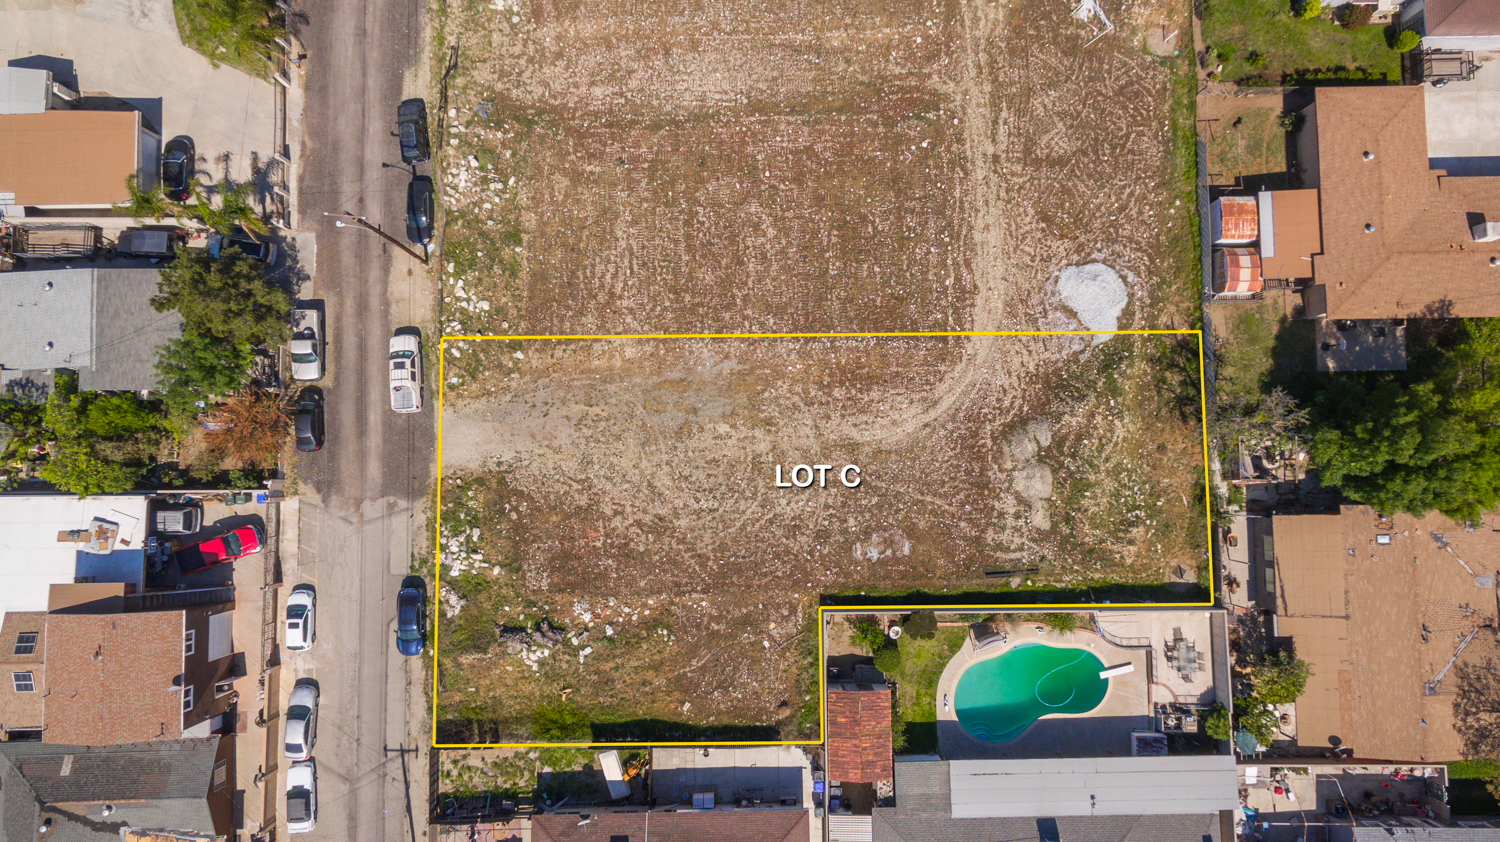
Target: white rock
(518,355)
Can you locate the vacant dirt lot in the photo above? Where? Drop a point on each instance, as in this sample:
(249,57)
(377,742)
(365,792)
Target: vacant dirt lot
(820,166)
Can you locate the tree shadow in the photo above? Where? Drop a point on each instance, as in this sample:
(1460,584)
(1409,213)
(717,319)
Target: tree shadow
(27,390)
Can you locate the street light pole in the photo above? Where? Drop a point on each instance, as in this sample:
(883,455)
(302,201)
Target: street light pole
(362,222)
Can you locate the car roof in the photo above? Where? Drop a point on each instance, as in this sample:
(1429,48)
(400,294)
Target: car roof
(300,774)
(403,342)
(411,108)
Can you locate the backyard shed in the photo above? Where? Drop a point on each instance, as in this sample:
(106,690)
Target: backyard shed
(859,733)
(1237,272)
(1235,220)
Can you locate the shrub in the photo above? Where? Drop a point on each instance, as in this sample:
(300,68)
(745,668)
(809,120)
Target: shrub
(1291,122)
(1256,716)
(1310,9)
(888,659)
(1216,723)
(1256,60)
(898,736)
(867,635)
(1406,41)
(921,625)
(249,428)
(1355,15)
(1061,622)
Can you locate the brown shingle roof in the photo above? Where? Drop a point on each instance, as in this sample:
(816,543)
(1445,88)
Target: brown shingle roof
(1420,260)
(1462,17)
(716,825)
(68,157)
(1359,621)
(112,678)
(859,735)
(1296,235)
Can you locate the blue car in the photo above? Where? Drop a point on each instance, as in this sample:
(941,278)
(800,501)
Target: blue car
(411,612)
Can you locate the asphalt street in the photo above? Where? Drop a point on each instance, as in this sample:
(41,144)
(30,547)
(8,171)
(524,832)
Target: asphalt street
(362,493)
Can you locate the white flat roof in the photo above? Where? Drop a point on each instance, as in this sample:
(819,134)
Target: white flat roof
(32,560)
(1093,786)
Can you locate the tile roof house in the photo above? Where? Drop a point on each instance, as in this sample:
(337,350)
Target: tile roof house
(683,826)
(73,160)
(1398,238)
(859,733)
(1454,24)
(98,322)
(924,813)
(74,793)
(135,677)
(1378,607)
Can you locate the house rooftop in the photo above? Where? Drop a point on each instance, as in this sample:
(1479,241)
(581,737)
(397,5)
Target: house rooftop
(1397,239)
(37,551)
(1462,17)
(68,158)
(1378,607)
(98,322)
(114,678)
(161,785)
(859,734)
(924,813)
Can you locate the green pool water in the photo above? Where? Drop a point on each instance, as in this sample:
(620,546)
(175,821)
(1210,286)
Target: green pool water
(998,698)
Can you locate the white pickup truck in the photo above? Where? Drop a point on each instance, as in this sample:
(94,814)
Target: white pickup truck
(406,373)
(307,345)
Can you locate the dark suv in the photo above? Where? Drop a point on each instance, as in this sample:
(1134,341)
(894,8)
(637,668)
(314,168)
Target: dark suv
(419,209)
(178,161)
(411,120)
(308,420)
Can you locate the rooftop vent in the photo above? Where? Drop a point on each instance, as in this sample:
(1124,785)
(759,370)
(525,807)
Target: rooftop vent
(1369,228)
(47,287)
(47,347)
(1369,156)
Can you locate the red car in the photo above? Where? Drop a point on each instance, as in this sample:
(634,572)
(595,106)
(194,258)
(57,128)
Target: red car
(247,540)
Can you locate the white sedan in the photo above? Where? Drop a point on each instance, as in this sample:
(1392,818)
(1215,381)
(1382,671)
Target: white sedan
(301,797)
(301,618)
(307,345)
(301,722)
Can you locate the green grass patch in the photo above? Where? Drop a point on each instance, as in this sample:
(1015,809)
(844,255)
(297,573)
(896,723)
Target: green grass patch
(1468,793)
(922,663)
(1260,41)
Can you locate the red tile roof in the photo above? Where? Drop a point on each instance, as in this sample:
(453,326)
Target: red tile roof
(859,735)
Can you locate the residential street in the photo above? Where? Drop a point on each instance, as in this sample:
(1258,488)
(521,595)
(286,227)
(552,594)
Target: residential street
(360,520)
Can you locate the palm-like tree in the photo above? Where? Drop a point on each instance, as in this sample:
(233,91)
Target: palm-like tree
(234,208)
(152,202)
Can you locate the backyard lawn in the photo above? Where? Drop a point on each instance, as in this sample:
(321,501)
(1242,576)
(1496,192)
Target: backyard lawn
(1259,41)
(922,663)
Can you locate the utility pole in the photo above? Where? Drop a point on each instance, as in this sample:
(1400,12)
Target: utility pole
(364,223)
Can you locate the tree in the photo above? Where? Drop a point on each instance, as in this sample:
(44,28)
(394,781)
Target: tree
(1256,716)
(233,210)
(1060,621)
(888,659)
(120,416)
(1270,420)
(196,369)
(921,625)
(1281,678)
(249,428)
(867,635)
(1216,723)
(1406,41)
(1425,439)
(1310,9)
(74,468)
(224,299)
(1355,15)
(147,204)
(74,463)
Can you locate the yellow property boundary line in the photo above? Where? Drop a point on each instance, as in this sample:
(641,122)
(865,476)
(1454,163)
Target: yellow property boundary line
(822,609)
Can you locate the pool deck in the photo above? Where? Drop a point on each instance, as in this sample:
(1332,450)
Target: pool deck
(1102,732)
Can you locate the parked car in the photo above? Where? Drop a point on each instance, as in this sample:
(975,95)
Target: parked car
(301,618)
(178,162)
(411,618)
(308,345)
(178,520)
(262,249)
(301,797)
(155,243)
(247,540)
(411,123)
(307,423)
(301,722)
(406,373)
(419,210)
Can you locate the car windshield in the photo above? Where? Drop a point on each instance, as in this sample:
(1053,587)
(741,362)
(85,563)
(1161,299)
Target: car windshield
(408,134)
(298,804)
(172,168)
(298,712)
(232,542)
(307,357)
(296,612)
(402,355)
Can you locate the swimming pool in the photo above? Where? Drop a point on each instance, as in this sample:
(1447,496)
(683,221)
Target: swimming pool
(998,698)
